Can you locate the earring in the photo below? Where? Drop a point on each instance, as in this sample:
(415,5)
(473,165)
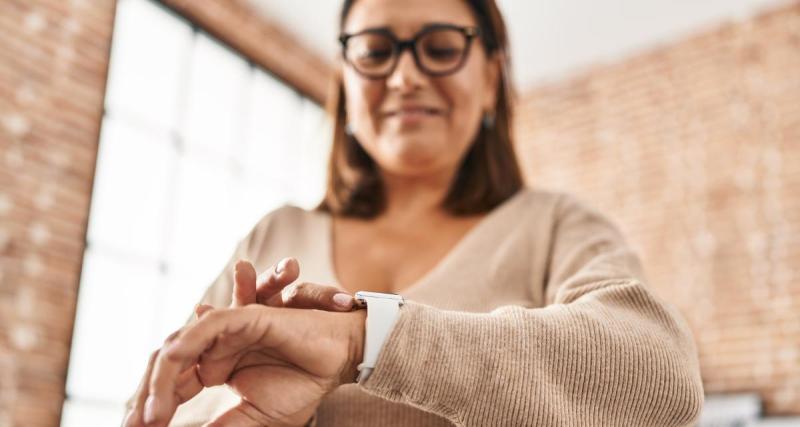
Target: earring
(348,129)
(488,120)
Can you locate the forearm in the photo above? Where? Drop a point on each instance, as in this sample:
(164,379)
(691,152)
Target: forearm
(615,358)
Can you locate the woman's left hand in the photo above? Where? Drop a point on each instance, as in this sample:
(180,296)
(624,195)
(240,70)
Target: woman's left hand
(281,361)
(275,288)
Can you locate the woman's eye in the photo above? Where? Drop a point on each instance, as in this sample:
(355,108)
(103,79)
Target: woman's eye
(375,55)
(441,53)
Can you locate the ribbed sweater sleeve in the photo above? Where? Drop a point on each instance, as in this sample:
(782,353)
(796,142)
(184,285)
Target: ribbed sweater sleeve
(603,352)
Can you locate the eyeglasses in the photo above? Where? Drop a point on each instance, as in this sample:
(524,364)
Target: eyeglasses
(438,50)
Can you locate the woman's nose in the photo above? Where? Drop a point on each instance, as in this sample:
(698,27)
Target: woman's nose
(406,74)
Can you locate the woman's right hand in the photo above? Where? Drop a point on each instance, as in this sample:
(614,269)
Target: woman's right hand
(274,287)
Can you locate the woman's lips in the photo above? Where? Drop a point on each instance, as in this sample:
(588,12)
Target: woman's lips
(412,115)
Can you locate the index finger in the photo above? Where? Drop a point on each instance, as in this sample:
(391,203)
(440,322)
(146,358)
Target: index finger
(272,281)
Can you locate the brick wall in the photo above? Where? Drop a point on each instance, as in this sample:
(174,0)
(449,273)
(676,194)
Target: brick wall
(53,62)
(694,148)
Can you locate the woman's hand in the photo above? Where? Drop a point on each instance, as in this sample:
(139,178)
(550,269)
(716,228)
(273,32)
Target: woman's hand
(274,288)
(281,361)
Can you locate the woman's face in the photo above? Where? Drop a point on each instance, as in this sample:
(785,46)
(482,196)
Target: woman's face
(410,123)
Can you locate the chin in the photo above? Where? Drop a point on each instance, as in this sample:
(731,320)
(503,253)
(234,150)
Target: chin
(414,153)
(413,164)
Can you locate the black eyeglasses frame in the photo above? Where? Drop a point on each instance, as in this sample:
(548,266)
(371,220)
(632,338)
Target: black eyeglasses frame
(399,45)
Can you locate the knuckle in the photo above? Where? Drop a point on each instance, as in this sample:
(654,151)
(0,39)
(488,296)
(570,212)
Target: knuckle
(171,337)
(213,316)
(171,356)
(310,293)
(330,291)
(291,293)
(253,307)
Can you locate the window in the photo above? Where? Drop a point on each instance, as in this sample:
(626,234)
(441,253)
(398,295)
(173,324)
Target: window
(196,145)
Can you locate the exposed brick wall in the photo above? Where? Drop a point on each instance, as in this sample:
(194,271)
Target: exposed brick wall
(53,62)
(694,148)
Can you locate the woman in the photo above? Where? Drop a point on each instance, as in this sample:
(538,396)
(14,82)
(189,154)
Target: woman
(522,307)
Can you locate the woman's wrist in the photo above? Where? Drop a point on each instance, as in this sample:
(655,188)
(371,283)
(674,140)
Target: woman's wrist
(357,321)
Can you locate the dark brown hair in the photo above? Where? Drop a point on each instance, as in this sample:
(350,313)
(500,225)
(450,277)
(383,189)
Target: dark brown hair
(489,173)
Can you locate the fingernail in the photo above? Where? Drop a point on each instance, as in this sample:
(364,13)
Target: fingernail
(151,407)
(343,300)
(281,266)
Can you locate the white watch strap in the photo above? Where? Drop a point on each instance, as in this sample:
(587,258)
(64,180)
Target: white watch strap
(382,313)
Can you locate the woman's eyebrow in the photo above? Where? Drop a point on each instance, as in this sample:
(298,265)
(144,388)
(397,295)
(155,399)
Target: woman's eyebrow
(424,27)
(441,24)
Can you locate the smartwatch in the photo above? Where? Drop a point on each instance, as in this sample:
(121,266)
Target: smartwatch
(382,313)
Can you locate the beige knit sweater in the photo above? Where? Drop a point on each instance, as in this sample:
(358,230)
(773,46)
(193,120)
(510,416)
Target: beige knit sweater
(539,316)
